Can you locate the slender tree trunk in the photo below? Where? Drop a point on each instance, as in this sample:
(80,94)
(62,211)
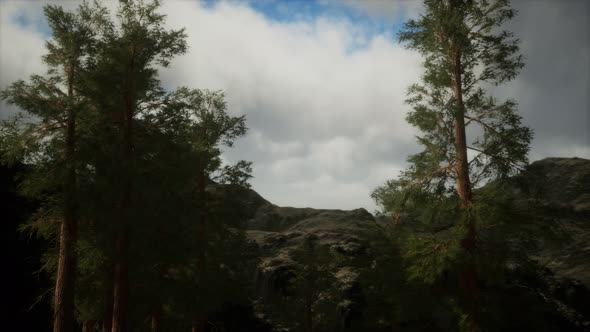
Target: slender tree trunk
(108,309)
(66,269)
(308,316)
(461,162)
(155,318)
(468,277)
(121,273)
(121,285)
(64,285)
(199,325)
(394,323)
(395,326)
(88,326)
(121,282)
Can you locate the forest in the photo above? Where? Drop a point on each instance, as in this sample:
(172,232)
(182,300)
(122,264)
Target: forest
(125,216)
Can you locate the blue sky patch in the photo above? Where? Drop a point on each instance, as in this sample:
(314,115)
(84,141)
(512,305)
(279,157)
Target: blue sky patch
(32,22)
(285,11)
(311,10)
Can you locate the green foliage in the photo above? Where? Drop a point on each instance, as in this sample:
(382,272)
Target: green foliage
(462,40)
(425,192)
(43,134)
(487,56)
(114,66)
(206,126)
(392,297)
(198,120)
(311,297)
(417,260)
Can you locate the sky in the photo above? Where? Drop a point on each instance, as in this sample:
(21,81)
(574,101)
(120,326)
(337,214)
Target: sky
(322,84)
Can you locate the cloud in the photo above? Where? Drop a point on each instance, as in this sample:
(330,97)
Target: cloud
(323,94)
(381,8)
(23,32)
(552,89)
(323,115)
(21,44)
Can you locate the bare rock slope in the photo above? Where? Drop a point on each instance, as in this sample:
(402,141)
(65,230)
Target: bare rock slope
(560,185)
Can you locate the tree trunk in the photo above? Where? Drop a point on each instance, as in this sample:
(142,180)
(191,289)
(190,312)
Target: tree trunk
(88,326)
(64,285)
(461,162)
(106,325)
(66,268)
(308,316)
(395,326)
(121,285)
(395,323)
(121,273)
(308,321)
(199,325)
(108,309)
(468,277)
(121,282)
(155,318)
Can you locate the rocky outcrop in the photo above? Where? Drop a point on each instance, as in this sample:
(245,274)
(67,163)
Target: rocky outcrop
(280,231)
(560,185)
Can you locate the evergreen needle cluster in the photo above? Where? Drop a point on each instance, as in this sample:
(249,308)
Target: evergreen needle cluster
(123,171)
(454,195)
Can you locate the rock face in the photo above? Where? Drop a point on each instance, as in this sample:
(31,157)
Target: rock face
(562,187)
(279,231)
(560,184)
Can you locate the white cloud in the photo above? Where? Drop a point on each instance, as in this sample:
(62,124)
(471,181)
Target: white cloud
(322,97)
(22,41)
(381,8)
(21,46)
(318,111)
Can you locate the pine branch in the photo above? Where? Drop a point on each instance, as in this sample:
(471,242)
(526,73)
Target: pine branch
(496,156)
(420,182)
(482,123)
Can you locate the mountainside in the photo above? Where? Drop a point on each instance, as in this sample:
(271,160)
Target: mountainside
(280,231)
(561,185)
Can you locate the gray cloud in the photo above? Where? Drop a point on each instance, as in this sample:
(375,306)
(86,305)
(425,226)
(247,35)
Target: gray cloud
(327,124)
(553,88)
(21,46)
(381,8)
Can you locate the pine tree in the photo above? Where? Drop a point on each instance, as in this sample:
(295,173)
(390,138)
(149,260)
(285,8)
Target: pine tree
(136,165)
(464,50)
(124,86)
(49,140)
(208,126)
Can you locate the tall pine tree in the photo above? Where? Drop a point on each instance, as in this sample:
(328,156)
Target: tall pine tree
(125,86)
(464,50)
(48,140)
(208,126)
(129,172)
